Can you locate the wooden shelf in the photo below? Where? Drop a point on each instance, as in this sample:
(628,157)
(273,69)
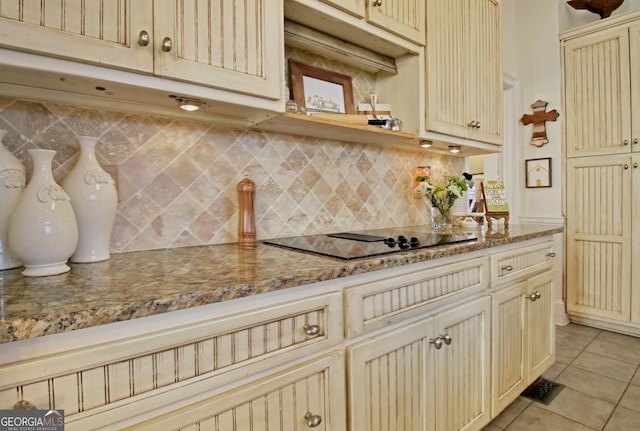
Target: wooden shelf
(318,127)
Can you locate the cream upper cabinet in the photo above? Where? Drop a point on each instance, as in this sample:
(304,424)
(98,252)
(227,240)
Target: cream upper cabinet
(354,7)
(111,33)
(402,17)
(464,69)
(233,45)
(224,44)
(601,98)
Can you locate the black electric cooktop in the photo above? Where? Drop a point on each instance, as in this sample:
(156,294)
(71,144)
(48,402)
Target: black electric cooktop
(362,244)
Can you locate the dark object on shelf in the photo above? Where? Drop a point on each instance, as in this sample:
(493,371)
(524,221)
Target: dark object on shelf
(377,122)
(600,7)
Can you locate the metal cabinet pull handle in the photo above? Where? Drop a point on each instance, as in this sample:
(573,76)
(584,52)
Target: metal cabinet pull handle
(507,268)
(477,124)
(24,405)
(626,166)
(551,254)
(313,420)
(472,123)
(437,342)
(534,296)
(167,44)
(144,38)
(377,3)
(446,338)
(635,141)
(635,165)
(626,142)
(311,330)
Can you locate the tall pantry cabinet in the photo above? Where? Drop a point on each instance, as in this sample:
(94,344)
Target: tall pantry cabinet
(601,65)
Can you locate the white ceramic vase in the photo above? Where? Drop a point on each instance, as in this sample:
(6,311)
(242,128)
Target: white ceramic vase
(94,200)
(43,232)
(12,181)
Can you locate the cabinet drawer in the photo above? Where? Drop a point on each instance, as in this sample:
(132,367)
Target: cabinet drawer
(520,262)
(376,304)
(314,391)
(101,377)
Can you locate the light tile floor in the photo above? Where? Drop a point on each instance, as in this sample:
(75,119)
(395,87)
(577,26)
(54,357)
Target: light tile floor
(600,371)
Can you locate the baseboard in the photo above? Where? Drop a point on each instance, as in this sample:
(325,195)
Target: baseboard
(621,327)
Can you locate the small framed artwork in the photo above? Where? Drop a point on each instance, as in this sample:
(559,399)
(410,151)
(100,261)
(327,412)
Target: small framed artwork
(319,90)
(538,172)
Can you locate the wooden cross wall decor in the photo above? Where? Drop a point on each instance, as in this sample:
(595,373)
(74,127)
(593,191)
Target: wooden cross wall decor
(539,119)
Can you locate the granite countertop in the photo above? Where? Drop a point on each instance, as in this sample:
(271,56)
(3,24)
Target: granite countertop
(138,284)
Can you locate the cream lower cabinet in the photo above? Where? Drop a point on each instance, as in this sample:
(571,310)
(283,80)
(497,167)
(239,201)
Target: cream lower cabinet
(602,241)
(305,397)
(523,337)
(432,374)
(229,45)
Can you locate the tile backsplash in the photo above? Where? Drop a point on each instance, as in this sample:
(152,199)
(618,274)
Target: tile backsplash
(177,179)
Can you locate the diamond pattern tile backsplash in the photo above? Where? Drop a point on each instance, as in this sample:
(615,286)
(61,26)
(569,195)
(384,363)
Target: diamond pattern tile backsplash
(177,179)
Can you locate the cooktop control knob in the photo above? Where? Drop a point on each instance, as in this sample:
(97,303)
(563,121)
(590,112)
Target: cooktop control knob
(414,242)
(391,242)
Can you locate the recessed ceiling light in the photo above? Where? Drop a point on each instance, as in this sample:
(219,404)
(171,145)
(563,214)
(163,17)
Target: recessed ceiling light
(455,148)
(426,143)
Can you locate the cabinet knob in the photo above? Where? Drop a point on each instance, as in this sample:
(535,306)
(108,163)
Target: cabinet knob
(551,254)
(625,166)
(635,165)
(313,420)
(24,405)
(437,342)
(534,296)
(446,338)
(635,141)
(144,38)
(472,123)
(477,124)
(377,3)
(625,142)
(507,268)
(311,330)
(167,44)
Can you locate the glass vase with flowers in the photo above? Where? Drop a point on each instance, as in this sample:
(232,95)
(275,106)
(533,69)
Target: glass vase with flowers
(441,198)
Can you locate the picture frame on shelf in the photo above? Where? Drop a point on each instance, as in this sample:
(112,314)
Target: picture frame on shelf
(319,90)
(538,172)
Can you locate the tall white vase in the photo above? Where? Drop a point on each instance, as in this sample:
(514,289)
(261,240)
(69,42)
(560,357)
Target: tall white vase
(94,200)
(12,181)
(43,232)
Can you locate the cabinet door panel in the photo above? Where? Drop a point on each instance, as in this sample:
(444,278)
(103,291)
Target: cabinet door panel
(463,367)
(599,236)
(484,103)
(597,93)
(509,348)
(634,46)
(446,59)
(276,403)
(540,330)
(92,30)
(402,17)
(387,381)
(354,7)
(227,44)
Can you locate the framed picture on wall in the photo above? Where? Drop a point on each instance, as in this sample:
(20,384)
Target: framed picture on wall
(538,172)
